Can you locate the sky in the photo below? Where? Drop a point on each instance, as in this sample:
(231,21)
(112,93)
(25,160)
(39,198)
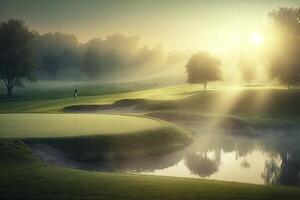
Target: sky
(176,25)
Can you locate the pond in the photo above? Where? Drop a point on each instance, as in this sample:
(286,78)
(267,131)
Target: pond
(270,157)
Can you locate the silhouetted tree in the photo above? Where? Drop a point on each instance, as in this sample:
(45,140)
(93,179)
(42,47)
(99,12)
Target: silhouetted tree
(56,52)
(91,62)
(16,53)
(284,45)
(96,62)
(50,63)
(203,68)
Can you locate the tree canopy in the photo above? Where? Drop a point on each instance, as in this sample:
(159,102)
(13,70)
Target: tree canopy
(202,68)
(16,53)
(284,45)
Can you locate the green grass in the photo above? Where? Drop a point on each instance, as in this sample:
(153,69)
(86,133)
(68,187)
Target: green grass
(23,177)
(55,102)
(247,102)
(225,120)
(66,125)
(96,136)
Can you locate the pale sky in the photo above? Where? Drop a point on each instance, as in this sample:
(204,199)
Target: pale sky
(177,25)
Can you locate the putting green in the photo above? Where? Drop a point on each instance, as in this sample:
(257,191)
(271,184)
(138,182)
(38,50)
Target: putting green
(62,125)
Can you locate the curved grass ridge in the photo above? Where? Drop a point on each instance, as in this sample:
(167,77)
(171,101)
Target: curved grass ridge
(145,136)
(118,146)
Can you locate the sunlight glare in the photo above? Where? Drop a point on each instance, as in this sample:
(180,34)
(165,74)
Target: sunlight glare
(256,38)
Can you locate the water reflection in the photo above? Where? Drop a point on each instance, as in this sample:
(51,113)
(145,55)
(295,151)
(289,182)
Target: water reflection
(283,169)
(271,158)
(202,164)
(266,159)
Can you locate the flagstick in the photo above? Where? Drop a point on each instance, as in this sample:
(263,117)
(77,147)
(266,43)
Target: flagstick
(75,110)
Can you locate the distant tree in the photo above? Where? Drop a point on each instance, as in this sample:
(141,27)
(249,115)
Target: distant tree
(248,69)
(57,52)
(69,59)
(91,62)
(203,68)
(248,73)
(51,63)
(16,53)
(284,45)
(96,62)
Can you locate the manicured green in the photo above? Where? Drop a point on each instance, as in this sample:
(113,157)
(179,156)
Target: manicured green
(66,125)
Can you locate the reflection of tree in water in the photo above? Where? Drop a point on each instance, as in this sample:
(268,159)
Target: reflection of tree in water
(201,164)
(241,146)
(283,165)
(244,163)
(290,170)
(271,171)
(283,169)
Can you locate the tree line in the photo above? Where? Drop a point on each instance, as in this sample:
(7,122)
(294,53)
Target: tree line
(24,53)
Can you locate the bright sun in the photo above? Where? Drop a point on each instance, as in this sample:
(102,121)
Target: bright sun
(256,38)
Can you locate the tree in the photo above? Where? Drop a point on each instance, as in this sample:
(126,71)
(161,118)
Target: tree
(91,62)
(105,63)
(202,68)
(57,52)
(16,53)
(284,45)
(51,64)
(248,69)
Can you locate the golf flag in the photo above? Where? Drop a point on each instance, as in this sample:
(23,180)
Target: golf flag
(75,93)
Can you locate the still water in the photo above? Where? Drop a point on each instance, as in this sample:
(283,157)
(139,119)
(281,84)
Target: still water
(270,157)
(261,160)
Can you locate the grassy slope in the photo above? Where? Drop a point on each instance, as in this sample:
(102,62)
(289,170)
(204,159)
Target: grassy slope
(94,141)
(135,144)
(225,120)
(244,102)
(49,103)
(23,177)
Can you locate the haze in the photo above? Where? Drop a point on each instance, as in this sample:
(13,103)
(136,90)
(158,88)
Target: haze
(177,25)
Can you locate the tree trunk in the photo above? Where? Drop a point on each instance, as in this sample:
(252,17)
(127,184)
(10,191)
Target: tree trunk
(9,91)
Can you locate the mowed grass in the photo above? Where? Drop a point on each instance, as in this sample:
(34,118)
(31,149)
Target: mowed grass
(95,137)
(247,102)
(45,103)
(24,177)
(66,125)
